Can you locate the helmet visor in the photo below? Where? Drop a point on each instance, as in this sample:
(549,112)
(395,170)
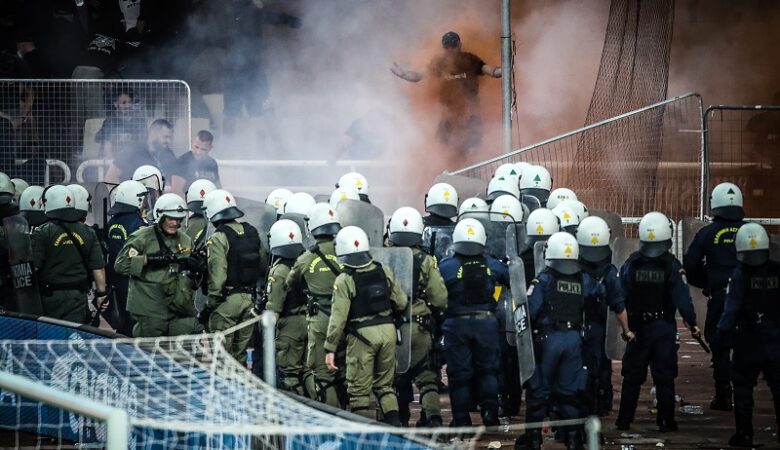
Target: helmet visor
(595,254)
(355,259)
(564,266)
(405,238)
(654,249)
(753,257)
(468,248)
(443,210)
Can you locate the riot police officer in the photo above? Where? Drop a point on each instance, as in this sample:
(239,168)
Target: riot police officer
(358,182)
(31,206)
(441,204)
(365,296)
(559,195)
(536,182)
(313,274)
(196,222)
(235,265)
(286,241)
(654,284)
(277,198)
(158,259)
(593,237)
(68,258)
(709,261)
(499,186)
(540,225)
(343,193)
(556,300)
(83,201)
(751,321)
(430,297)
(470,329)
(125,220)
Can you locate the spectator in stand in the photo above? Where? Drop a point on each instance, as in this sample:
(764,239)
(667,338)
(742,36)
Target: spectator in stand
(196,164)
(155,151)
(123,128)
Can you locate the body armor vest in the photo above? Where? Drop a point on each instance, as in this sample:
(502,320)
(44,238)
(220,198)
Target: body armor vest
(243,258)
(650,296)
(372,292)
(761,305)
(295,298)
(596,307)
(566,301)
(474,275)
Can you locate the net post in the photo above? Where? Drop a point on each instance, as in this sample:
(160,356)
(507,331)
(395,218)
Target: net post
(593,429)
(269,347)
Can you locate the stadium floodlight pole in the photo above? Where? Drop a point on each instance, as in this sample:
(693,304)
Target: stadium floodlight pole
(506,72)
(269,347)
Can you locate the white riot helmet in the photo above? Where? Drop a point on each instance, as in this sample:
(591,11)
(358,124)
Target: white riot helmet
(655,234)
(475,208)
(352,247)
(19,187)
(59,203)
(7,194)
(541,224)
(299,203)
(356,181)
(323,220)
(150,176)
(506,208)
(593,236)
(128,197)
(83,199)
(220,205)
(536,181)
(567,218)
(442,200)
(522,166)
(576,206)
(499,186)
(286,239)
(197,192)
(406,227)
(726,202)
(31,206)
(752,242)
(277,198)
(343,193)
(469,237)
(558,195)
(561,253)
(169,205)
(508,170)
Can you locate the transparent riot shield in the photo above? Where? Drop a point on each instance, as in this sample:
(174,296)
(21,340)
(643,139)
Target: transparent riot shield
(495,245)
(515,240)
(102,197)
(539,256)
(689,229)
(300,220)
(521,321)
(400,261)
(530,202)
(365,216)
(613,220)
(465,186)
(614,346)
(511,305)
(258,214)
(24,283)
(437,241)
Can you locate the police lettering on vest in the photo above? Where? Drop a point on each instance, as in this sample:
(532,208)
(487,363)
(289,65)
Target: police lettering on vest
(566,303)
(372,292)
(650,297)
(474,274)
(243,256)
(762,298)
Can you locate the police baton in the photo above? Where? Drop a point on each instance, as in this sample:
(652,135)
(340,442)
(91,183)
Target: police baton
(703,344)
(94,321)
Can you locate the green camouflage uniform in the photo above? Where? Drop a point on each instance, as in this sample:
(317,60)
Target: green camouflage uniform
(371,358)
(61,273)
(432,291)
(196,226)
(311,275)
(234,308)
(160,299)
(291,329)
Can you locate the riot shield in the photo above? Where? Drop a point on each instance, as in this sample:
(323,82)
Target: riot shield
(365,216)
(437,241)
(26,297)
(400,261)
(495,245)
(689,229)
(539,256)
(465,186)
(515,240)
(101,203)
(614,346)
(258,214)
(521,321)
(302,222)
(613,220)
(530,202)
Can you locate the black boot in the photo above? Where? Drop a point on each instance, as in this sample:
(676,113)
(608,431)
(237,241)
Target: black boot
(531,440)
(741,439)
(489,413)
(723,398)
(667,425)
(392,418)
(434,422)
(574,440)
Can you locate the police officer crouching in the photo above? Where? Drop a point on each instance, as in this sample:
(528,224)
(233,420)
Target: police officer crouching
(286,241)
(751,319)
(159,261)
(430,296)
(235,265)
(557,299)
(68,258)
(365,296)
(471,346)
(655,287)
(126,218)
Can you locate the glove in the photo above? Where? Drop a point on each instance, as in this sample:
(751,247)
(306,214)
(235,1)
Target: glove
(204,315)
(696,332)
(159,259)
(628,336)
(195,263)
